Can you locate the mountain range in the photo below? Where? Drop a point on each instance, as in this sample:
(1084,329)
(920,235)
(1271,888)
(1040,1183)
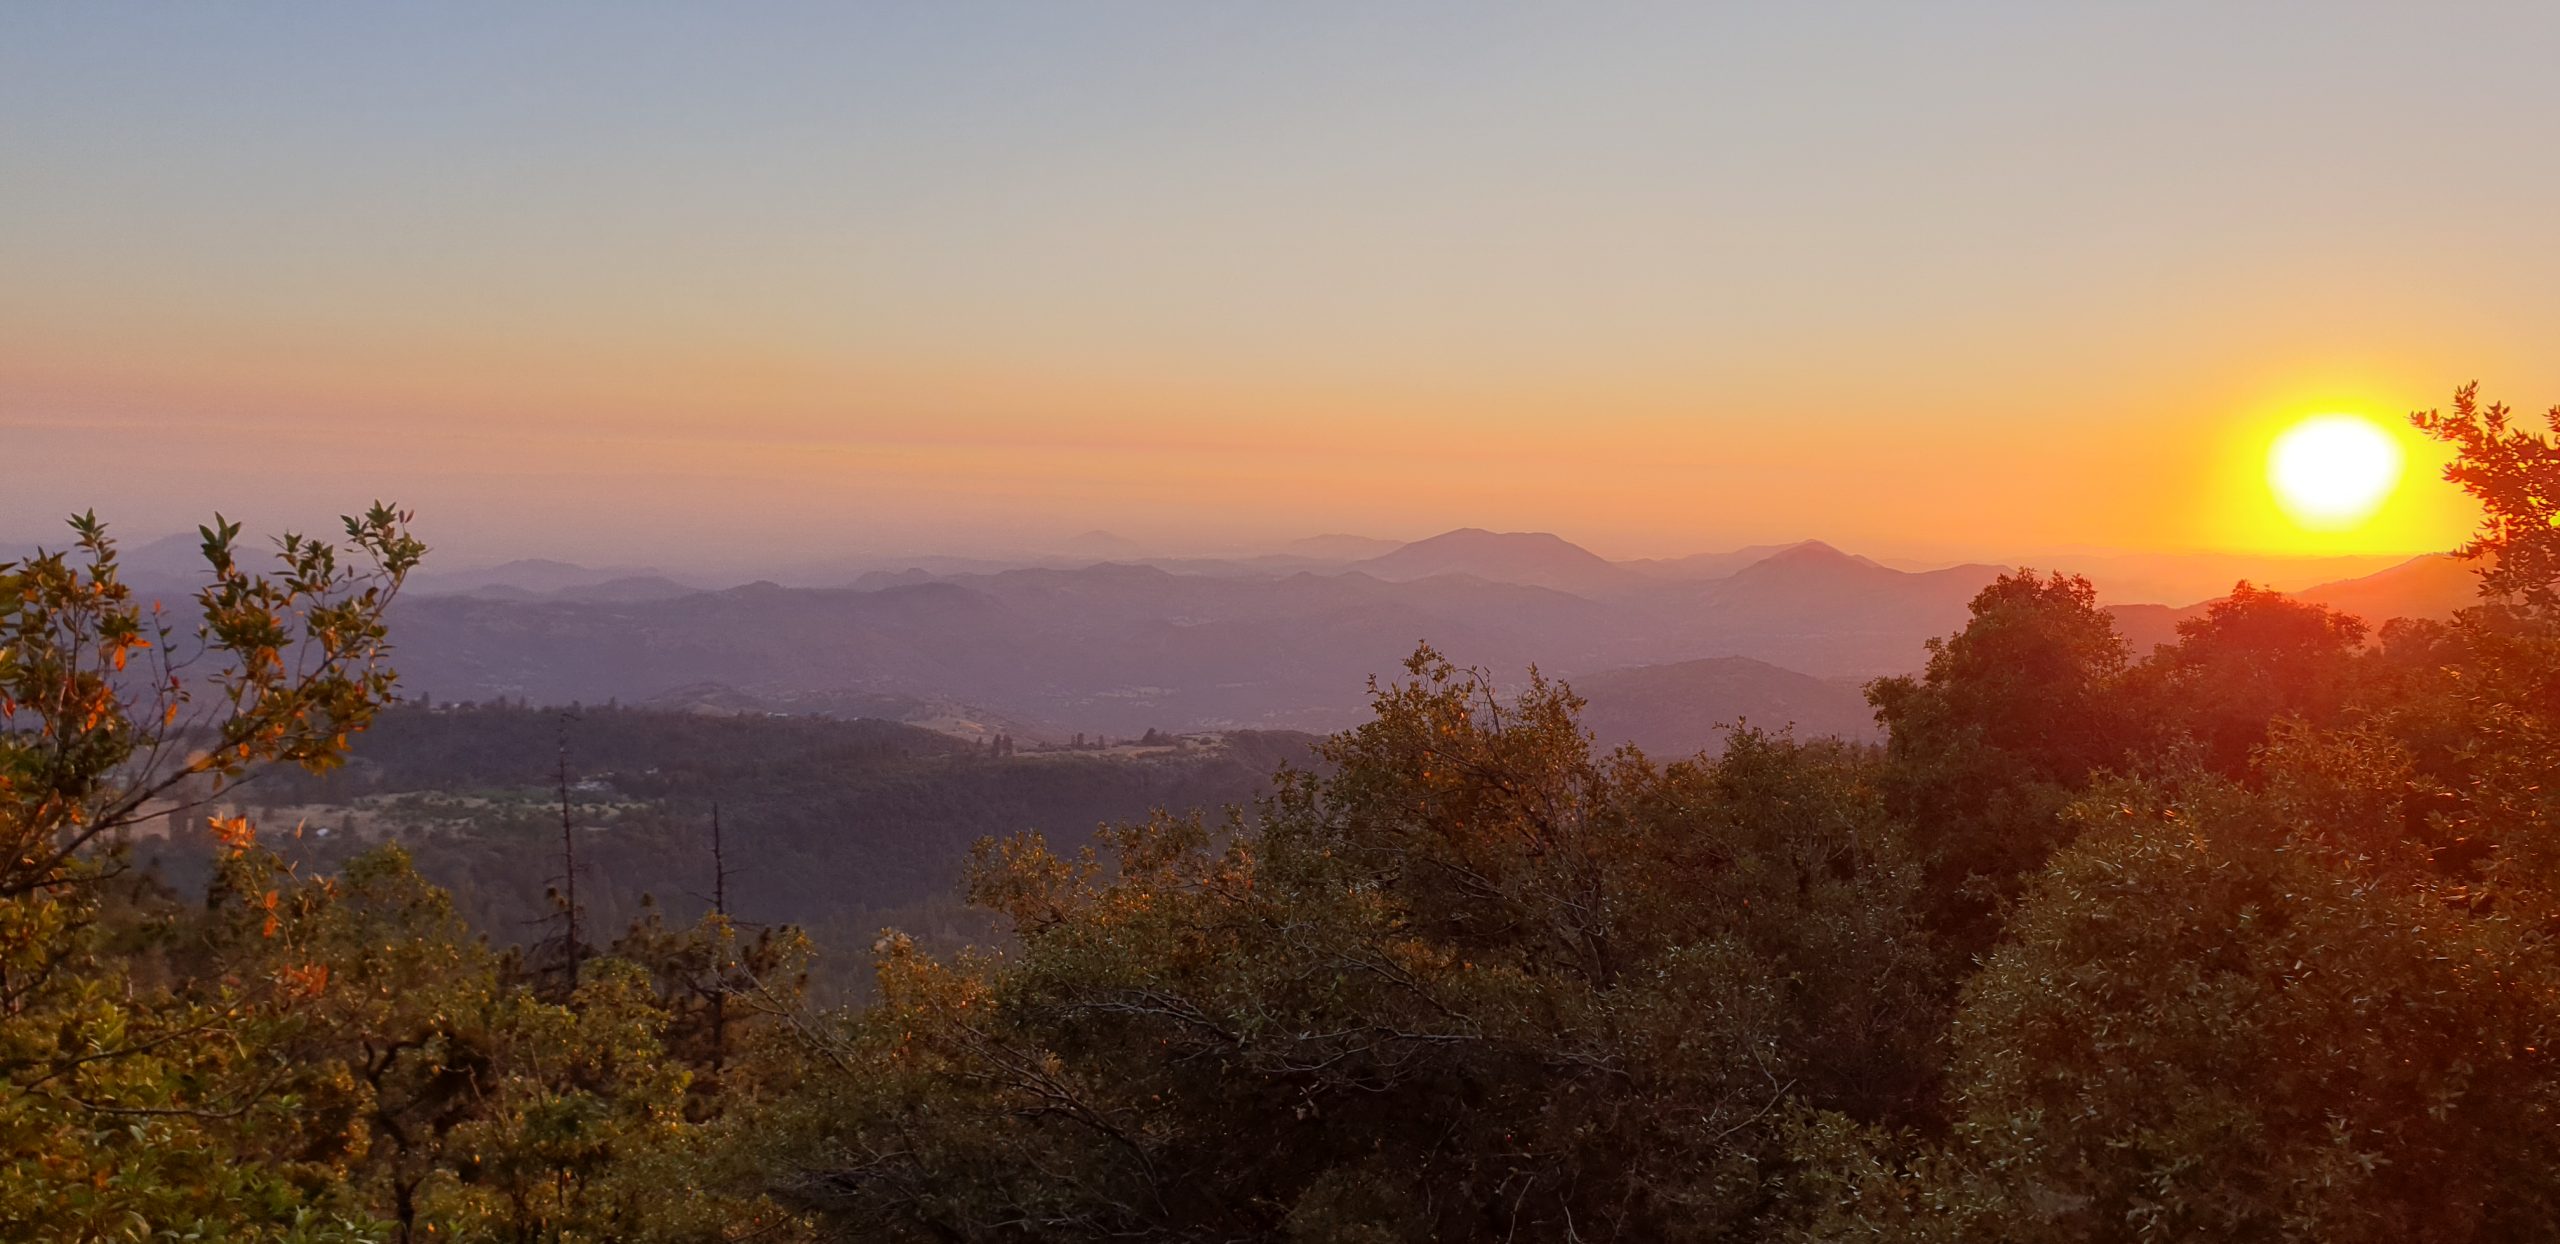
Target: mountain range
(1665,653)
(1665,650)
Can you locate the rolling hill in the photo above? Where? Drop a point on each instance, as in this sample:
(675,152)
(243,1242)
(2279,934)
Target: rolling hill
(1708,565)
(1683,708)
(2432,586)
(1121,648)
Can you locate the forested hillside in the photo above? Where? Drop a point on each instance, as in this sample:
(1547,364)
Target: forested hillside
(2253,936)
(837,827)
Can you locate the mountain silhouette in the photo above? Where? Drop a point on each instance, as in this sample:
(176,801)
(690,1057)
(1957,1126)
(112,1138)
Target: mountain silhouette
(1709,565)
(1813,586)
(1535,558)
(2431,586)
(538,576)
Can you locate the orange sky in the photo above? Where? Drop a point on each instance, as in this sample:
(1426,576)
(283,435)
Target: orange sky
(1986,284)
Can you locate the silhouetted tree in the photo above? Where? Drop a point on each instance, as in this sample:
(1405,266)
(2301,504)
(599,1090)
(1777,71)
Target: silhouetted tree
(2514,473)
(2011,716)
(2253,658)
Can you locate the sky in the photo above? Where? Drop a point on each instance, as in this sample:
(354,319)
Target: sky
(658,284)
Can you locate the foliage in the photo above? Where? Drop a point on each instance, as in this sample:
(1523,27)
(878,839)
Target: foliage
(125,1091)
(325,1056)
(2253,658)
(1472,981)
(439,1085)
(2514,473)
(2206,1027)
(1988,743)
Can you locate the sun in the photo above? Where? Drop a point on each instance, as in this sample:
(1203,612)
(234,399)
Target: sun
(2333,471)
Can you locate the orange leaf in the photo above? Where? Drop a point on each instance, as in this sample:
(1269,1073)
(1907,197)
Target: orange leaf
(306,981)
(235,835)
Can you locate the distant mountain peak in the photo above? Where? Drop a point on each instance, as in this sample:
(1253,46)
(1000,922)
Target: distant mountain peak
(1534,558)
(1479,539)
(1483,533)
(1709,566)
(1813,555)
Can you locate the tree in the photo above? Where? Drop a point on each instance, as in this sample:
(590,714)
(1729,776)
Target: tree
(2010,717)
(2209,1022)
(124,1094)
(2514,473)
(719,990)
(1473,981)
(2253,658)
(100,715)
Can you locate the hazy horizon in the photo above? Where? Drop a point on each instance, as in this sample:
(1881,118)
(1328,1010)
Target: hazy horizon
(2171,577)
(1087,547)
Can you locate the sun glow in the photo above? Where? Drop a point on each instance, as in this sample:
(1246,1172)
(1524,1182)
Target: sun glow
(2332,472)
